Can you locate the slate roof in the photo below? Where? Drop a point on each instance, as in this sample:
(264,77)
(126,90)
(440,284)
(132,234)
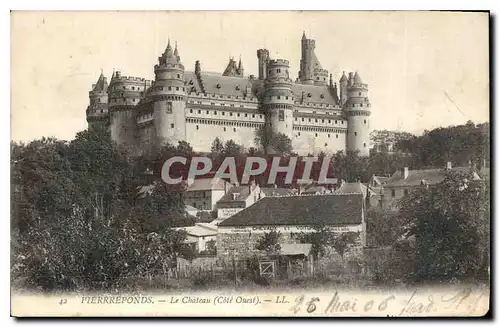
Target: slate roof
(243,192)
(415,177)
(358,188)
(341,209)
(236,86)
(101,85)
(271,191)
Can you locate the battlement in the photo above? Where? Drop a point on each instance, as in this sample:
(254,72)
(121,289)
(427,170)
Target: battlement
(169,66)
(321,70)
(358,86)
(132,79)
(281,62)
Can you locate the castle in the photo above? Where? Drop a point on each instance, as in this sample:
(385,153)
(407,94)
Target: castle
(197,106)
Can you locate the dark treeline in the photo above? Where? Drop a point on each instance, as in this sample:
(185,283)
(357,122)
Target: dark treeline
(80,218)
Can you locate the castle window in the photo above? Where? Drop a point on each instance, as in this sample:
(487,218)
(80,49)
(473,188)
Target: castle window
(335,122)
(253,115)
(208,112)
(328,135)
(406,191)
(360,104)
(316,134)
(364,145)
(336,136)
(238,114)
(326,144)
(322,120)
(295,119)
(316,120)
(286,98)
(169,107)
(224,129)
(178,75)
(232,105)
(177,88)
(279,98)
(355,133)
(212,103)
(365,121)
(299,133)
(197,127)
(317,78)
(199,111)
(172,125)
(170,88)
(359,93)
(234,130)
(281,115)
(309,119)
(124,87)
(353,105)
(215,113)
(260,116)
(133,88)
(246,115)
(393,193)
(230,114)
(223,113)
(190,111)
(241,106)
(302,118)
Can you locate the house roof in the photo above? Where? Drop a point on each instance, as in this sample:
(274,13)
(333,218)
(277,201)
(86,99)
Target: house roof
(295,249)
(315,189)
(340,209)
(271,191)
(415,177)
(242,193)
(358,188)
(199,230)
(207,184)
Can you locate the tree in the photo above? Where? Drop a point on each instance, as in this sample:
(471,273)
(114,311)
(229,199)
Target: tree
(217,146)
(342,241)
(383,227)
(320,239)
(274,143)
(448,221)
(269,242)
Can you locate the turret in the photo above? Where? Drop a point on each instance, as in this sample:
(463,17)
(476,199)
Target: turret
(97,111)
(307,62)
(358,110)
(343,89)
(263,56)
(240,68)
(278,99)
(169,96)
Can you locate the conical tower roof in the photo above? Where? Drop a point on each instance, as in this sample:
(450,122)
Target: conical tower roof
(357,79)
(101,85)
(343,78)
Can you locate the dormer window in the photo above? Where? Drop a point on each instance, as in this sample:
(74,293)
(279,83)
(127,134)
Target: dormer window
(237,87)
(191,82)
(321,96)
(309,95)
(218,86)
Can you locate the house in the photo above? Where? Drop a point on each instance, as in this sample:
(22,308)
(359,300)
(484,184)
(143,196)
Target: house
(199,235)
(290,215)
(370,196)
(405,180)
(275,191)
(236,199)
(204,193)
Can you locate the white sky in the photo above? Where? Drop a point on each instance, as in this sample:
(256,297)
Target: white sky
(409,59)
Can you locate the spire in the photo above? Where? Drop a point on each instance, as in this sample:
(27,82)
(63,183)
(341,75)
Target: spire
(343,78)
(101,85)
(357,79)
(168,50)
(304,35)
(176,52)
(331,80)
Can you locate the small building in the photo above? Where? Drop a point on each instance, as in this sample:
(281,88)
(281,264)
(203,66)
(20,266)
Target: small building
(236,199)
(370,196)
(199,235)
(290,216)
(204,193)
(403,181)
(292,260)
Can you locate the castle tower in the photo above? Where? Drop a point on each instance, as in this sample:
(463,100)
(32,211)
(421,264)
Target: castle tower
(240,68)
(97,111)
(358,110)
(278,100)
(263,55)
(124,93)
(306,74)
(343,89)
(169,98)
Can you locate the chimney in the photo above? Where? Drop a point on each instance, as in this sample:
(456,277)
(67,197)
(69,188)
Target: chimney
(448,165)
(404,172)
